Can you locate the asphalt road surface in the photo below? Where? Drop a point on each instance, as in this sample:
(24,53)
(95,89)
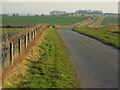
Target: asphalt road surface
(96,64)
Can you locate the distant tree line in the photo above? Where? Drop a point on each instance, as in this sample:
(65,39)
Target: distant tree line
(15,14)
(82,12)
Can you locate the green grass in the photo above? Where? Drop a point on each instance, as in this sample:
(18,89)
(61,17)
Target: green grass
(110,20)
(52,69)
(23,20)
(103,34)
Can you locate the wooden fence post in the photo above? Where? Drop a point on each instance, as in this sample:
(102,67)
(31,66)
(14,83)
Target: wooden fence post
(19,45)
(11,54)
(36,29)
(25,41)
(33,33)
(28,37)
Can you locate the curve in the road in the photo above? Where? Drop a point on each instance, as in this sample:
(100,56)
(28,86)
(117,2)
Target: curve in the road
(96,64)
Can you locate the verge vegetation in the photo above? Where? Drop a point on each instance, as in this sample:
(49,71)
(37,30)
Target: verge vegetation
(105,35)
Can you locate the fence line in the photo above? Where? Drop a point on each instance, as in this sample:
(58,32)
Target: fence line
(20,43)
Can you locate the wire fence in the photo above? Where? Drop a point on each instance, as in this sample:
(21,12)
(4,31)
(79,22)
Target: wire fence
(13,46)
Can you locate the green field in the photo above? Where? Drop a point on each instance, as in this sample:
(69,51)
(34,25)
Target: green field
(23,20)
(52,68)
(103,34)
(12,31)
(110,20)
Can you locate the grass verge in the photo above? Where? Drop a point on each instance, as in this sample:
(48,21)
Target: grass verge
(103,34)
(50,68)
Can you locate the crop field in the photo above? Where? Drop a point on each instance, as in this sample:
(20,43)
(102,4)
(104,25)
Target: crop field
(12,31)
(10,34)
(25,20)
(110,20)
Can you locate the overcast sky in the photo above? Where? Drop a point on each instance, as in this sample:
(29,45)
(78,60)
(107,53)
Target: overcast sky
(46,7)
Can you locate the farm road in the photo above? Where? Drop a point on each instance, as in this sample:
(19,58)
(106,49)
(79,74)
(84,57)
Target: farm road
(96,64)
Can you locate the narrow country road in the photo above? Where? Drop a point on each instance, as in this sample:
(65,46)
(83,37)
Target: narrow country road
(96,64)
